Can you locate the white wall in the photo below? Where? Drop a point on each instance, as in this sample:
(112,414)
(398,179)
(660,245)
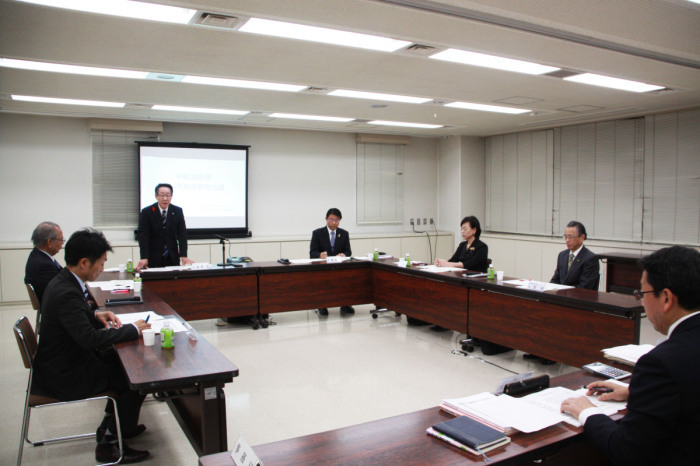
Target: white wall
(294,176)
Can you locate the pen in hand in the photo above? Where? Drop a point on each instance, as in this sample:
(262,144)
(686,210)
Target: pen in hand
(599,390)
(147,317)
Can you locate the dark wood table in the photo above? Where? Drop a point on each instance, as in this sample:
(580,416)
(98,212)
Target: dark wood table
(623,271)
(402,440)
(190,377)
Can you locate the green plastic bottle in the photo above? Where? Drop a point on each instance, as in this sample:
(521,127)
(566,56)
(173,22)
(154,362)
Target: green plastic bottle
(376,255)
(167,337)
(491,272)
(130,266)
(408,260)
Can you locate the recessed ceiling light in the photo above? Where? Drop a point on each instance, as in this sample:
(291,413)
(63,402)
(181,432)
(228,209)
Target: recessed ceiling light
(52,100)
(199,110)
(318,34)
(295,116)
(378,96)
(400,123)
(492,61)
(242,83)
(124,8)
(71,69)
(487,108)
(613,83)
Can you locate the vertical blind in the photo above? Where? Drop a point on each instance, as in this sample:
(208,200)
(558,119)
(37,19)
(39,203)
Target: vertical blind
(626,180)
(379,182)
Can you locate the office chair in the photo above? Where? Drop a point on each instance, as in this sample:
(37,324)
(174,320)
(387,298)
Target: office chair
(35,305)
(26,340)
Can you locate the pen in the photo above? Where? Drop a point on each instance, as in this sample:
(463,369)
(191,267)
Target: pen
(599,390)
(147,317)
(121,290)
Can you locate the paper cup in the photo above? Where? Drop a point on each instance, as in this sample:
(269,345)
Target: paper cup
(499,275)
(149,336)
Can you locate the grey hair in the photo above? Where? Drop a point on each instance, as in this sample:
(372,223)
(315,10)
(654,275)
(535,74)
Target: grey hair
(44,232)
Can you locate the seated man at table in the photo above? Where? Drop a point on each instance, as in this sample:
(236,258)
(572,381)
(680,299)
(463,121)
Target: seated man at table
(577,266)
(331,241)
(69,363)
(663,407)
(41,266)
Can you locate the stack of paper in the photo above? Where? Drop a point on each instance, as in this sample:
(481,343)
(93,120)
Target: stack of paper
(530,413)
(627,354)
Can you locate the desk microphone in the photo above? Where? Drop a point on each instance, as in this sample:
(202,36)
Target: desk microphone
(222,238)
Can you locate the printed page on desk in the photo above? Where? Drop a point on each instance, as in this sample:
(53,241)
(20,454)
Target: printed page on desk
(550,400)
(157,321)
(436,269)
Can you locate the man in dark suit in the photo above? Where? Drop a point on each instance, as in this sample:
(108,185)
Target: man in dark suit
(331,241)
(577,266)
(663,406)
(41,266)
(69,364)
(162,232)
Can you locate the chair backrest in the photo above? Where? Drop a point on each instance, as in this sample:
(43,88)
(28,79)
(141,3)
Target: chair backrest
(26,340)
(33,297)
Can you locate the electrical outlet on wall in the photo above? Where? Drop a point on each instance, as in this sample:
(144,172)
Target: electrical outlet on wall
(418,221)
(412,223)
(432,222)
(425,221)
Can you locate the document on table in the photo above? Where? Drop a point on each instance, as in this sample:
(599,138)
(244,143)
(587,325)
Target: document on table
(550,400)
(627,354)
(536,285)
(436,269)
(157,321)
(306,261)
(112,285)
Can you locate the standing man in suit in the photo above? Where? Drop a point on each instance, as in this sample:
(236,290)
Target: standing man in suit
(41,266)
(576,266)
(331,241)
(162,232)
(663,406)
(69,364)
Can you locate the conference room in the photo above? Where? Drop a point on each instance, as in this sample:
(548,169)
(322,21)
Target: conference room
(623,163)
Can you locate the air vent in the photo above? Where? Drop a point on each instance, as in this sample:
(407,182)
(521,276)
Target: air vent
(421,49)
(562,73)
(217,20)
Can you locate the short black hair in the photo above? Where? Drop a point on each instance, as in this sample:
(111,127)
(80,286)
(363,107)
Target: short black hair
(87,243)
(474,223)
(334,211)
(164,185)
(678,269)
(44,232)
(579,227)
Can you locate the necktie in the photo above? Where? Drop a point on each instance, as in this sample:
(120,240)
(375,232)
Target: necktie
(333,239)
(571,260)
(164,217)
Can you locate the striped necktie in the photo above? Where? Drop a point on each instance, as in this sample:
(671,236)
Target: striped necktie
(571,261)
(164,217)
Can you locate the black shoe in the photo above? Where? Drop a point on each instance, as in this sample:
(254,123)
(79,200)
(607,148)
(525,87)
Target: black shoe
(532,357)
(347,310)
(437,328)
(323,311)
(110,454)
(416,322)
(138,430)
(547,362)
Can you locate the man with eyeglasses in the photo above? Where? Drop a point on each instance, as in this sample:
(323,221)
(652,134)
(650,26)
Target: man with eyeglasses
(663,407)
(162,232)
(577,266)
(41,266)
(331,241)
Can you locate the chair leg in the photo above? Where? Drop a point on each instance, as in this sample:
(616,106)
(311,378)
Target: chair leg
(25,429)
(119,434)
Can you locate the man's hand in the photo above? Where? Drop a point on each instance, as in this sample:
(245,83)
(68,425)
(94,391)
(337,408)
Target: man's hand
(108,319)
(143,263)
(185,261)
(619,392)
(340,255)
(323,255)
(142,325)
(574,406)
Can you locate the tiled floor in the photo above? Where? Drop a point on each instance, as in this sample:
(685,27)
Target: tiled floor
(304,374)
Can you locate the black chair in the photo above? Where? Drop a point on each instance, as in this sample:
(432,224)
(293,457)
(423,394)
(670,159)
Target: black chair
(27,342)
(36,305)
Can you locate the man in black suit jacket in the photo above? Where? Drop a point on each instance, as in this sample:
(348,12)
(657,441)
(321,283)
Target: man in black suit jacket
(577,266)
(162,232)
(69,364)
(41,266)
(331,241)
(663,406)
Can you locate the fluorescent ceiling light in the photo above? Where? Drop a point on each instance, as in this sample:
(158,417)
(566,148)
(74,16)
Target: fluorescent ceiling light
(324,35)
(124,8)
(614,83)
(399,123)
(71,69)
(492,61)
(295,116)
(221,111)
(51,100)
(242,83)
(487,108)
(378,96)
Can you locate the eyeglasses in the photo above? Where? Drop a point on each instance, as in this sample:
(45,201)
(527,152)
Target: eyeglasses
(570,236)
(334,220)
(165,195)
(639,294)
(60,239)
